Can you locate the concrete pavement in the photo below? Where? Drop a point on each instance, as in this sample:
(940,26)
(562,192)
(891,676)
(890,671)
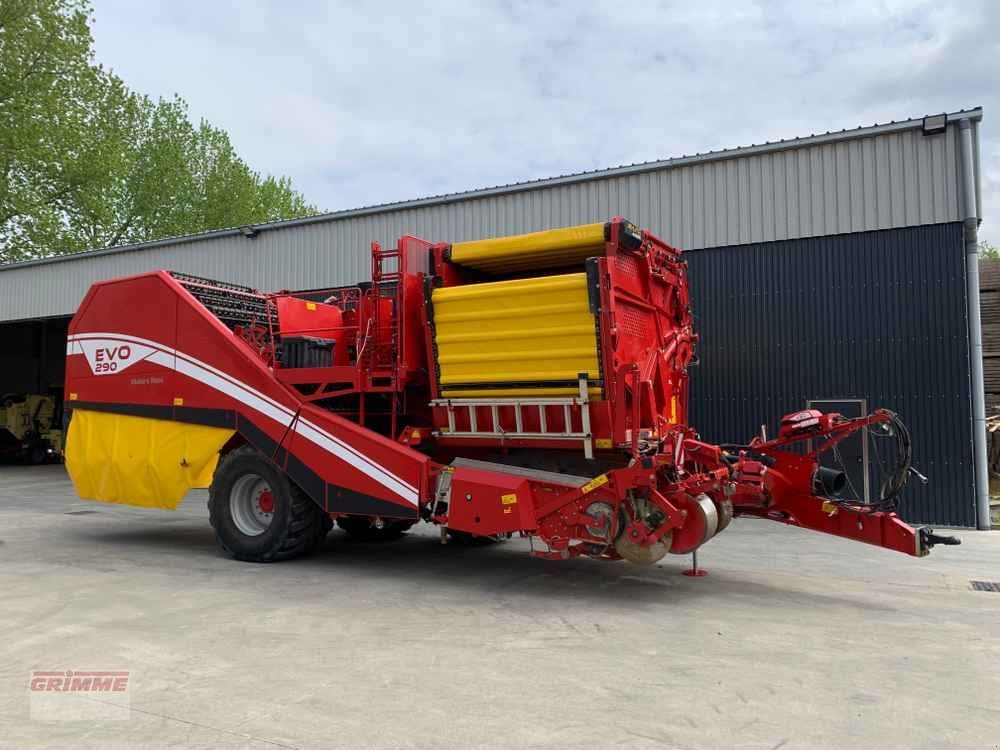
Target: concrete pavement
(793,641)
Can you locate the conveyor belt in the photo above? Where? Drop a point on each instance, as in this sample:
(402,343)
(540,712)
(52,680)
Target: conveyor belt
(550,249)
(525,337)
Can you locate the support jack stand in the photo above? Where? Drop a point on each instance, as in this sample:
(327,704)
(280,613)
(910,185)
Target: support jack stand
(695,571)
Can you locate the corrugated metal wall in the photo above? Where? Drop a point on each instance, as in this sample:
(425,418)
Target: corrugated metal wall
(847,182)
(875,315)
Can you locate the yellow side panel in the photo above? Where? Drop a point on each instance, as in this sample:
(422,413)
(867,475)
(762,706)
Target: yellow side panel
(151,463)
(519,332)
(548,249)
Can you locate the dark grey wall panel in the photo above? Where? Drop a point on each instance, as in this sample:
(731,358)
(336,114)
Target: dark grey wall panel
(874,315)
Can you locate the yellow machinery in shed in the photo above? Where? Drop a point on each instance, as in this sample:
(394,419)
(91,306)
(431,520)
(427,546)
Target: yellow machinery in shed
(29,427)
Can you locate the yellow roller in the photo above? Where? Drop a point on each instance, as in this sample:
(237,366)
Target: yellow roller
(526,337)
(549,249)
(140,461)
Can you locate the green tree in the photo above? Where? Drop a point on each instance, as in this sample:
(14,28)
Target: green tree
(45,79)
(87,163)
(988,251)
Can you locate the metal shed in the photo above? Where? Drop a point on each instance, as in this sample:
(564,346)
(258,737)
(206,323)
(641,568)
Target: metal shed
(861,236)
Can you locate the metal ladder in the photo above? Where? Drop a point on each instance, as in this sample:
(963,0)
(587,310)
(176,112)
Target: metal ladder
(496,432)
(383,355)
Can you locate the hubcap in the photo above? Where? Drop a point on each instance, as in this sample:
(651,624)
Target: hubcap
(251,504)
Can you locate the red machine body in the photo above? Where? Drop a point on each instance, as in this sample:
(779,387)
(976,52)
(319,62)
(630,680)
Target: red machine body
(342,390)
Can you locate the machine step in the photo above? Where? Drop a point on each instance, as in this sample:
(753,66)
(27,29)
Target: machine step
(552,477)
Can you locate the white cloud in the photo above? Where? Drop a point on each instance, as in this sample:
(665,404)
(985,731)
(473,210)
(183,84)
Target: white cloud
(365,103)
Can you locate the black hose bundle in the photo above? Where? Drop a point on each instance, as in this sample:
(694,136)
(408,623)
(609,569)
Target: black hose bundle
(897,472)
(894,470)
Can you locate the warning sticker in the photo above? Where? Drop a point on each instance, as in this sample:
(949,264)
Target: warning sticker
(594,483)
(510,499)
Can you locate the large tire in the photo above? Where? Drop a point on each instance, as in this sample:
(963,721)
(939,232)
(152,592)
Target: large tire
(361,528)
(258,514)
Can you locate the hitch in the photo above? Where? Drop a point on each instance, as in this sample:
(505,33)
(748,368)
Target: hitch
(929,539)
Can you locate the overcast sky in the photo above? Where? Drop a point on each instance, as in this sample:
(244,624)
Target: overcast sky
(363,103)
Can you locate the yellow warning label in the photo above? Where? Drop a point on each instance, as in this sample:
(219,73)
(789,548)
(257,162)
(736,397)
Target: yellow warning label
(829,507)
(509,499)
(310,305)
(594,483)
(178,402)
(72,397)
(602,443)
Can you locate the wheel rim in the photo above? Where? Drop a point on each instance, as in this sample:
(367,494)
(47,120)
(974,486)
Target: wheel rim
(251,504)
